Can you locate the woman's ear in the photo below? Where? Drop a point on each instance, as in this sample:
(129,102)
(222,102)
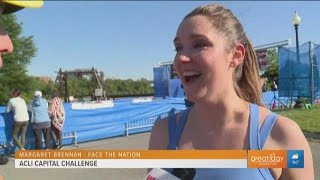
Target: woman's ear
(238,55)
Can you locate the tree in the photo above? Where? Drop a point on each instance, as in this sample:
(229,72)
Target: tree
(13,73)
(79,87)
(128,86)
(272,71)
(34,83)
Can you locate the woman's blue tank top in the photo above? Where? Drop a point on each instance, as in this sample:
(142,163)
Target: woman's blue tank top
(257,139)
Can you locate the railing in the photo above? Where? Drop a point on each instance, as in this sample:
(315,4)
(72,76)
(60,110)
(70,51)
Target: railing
(5,145)
(71,134)
(144,123)
(65,135)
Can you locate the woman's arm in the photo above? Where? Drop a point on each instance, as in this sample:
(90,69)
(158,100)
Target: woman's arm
(9,106)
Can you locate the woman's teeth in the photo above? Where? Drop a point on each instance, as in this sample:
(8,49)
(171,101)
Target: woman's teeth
(189,75)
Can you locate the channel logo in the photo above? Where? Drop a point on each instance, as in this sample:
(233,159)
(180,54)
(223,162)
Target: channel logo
(295,159)
(267,159)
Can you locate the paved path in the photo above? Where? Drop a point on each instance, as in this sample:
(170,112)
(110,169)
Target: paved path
(138,141)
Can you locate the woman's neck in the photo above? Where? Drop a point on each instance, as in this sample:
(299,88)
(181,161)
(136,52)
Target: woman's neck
(217,114)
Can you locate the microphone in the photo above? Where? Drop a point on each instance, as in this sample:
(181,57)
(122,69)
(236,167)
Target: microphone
(176,174)
(160,174)
(184,173)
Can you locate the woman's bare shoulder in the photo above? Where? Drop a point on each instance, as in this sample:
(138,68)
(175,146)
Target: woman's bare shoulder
(287,134)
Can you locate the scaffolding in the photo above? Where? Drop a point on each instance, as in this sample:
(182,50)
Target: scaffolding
(61,81)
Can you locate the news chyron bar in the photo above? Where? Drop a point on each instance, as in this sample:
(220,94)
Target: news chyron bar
(159,158)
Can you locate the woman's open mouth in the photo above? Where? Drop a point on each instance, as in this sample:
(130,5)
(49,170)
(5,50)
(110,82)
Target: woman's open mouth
(191,76)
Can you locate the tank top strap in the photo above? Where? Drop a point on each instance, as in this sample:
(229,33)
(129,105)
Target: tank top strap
(266,128)
(258,138)
(254,127)
(172,126)
(176,130)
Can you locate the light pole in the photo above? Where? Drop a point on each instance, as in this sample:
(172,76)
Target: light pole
(296,22)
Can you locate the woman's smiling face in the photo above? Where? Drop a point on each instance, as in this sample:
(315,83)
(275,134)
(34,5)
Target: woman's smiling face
(202,60)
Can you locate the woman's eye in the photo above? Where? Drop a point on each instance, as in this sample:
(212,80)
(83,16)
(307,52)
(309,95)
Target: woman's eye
(199,45)
(178,48)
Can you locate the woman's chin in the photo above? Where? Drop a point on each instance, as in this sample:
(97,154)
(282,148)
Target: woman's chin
(195,96)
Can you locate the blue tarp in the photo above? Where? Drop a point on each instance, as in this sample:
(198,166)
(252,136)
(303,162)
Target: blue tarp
(271,97)
(175,88)
(110,122)
(100,123)
(165,83)
(161,76)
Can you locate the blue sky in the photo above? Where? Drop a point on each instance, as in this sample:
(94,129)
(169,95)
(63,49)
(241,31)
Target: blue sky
(126,39)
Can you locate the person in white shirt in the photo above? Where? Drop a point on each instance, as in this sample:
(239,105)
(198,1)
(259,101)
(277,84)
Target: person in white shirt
(18,106)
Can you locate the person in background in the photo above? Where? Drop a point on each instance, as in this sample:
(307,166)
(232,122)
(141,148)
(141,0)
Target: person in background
(274,86)
(18,106)
(40,120)
(264,87)
(218,68)
(6,46)
(57,115)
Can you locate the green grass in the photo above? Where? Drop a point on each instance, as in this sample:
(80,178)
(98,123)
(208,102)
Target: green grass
(308,120)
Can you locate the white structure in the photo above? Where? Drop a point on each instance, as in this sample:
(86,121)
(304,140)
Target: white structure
(92,105)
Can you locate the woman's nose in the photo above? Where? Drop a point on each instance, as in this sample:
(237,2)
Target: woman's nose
(183,56)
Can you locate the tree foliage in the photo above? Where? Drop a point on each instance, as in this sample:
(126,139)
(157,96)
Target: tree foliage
(81,88)
(272,71)
(128,86)
(13,74)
